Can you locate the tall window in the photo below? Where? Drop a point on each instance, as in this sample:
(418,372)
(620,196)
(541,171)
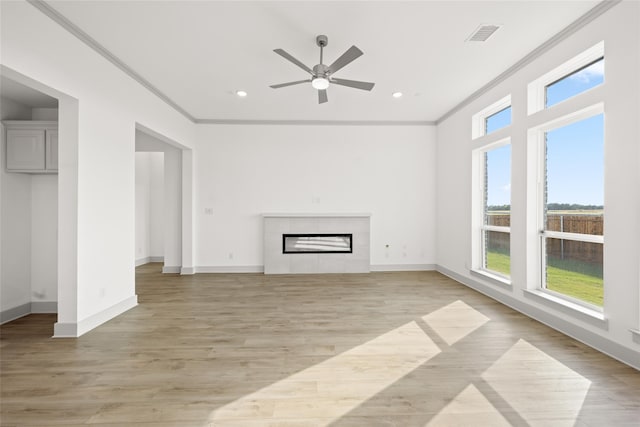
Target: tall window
(572,210)
(496,212)
(569,180)
(491,221)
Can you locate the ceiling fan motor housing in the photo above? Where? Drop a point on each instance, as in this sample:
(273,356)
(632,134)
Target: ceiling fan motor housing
(320,70)
(322,40)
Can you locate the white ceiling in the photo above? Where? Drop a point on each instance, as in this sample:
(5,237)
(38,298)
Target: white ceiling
(24,95)
(198,53)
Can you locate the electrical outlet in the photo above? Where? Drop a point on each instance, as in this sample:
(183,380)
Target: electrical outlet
(230,255)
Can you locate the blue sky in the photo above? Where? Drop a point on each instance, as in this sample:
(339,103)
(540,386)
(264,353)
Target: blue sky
(575,153)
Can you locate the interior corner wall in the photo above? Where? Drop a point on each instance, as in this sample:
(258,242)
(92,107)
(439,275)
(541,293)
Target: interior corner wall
(44,238)
(243,171)
(143,201)
(149,206)
(15,228)
(619,28)
(97,167)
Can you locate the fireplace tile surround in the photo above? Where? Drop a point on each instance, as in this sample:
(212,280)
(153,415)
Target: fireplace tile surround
(278,224)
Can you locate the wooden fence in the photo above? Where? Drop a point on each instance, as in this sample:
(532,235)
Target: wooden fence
(558,248)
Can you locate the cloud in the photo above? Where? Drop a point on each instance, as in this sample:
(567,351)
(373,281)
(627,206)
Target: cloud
(506,188)
(592,72)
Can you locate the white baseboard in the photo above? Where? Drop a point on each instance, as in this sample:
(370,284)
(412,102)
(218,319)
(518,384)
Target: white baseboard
(604,345)
(15,313)
(44,306)
(260,268)
(187,270)
(171,269)
(403,267)
(74,330)
(147,260)
(230,269)
(34,307)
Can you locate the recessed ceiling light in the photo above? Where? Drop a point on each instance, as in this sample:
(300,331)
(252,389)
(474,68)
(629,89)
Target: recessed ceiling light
(397,94)
(241,93)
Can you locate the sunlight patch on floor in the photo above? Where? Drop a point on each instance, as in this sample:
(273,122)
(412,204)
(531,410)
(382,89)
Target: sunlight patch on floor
(535,385)
(341,383)
(455,321)
(469,408)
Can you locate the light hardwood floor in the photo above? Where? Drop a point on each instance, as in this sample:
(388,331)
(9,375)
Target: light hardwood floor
(379,349)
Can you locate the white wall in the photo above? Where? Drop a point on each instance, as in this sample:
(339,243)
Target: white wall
(15,223)
(619,29)
(29,229)
(244,171)
(149,206)
(15,217)
(44,238)
(12,110)
(143,201)
(99,109)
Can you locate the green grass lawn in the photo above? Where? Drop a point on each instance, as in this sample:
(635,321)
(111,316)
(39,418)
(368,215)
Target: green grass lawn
(572,278)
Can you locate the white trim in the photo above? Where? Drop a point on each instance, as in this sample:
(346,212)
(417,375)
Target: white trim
(478,120)
(317,122)
(185,271)
(498,228)
(402,267)
(635,335)
(494,278)
(562,235)
(14,313)
(147,260)
(74,330)
(65,23)
(575,309)
(44,307)
(576,25)
(536,90)
(604,345)
(171,269)
(230,269)
(316,214)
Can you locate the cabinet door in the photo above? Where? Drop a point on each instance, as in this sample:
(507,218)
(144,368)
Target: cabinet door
(25,149)
(51,158)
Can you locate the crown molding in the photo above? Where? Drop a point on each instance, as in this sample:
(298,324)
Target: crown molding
(576,25)
(61,20)
(316,122)
(65,23)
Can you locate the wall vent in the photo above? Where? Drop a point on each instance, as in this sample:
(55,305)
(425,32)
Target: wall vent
(483,32)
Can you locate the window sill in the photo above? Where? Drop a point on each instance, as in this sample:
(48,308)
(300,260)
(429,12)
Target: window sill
(636,335)
(578,311)
(494,279)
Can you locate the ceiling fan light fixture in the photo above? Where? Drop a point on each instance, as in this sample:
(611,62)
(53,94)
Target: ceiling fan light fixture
(241,93)
(320,83)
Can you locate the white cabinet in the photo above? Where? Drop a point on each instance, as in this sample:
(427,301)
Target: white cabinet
(31,146)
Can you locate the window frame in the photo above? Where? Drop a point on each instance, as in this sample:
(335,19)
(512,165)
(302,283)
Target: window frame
(537,142)
(536,90)
(479,120)
(479,255)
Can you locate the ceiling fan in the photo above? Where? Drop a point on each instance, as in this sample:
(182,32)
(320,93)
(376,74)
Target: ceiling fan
(322,75)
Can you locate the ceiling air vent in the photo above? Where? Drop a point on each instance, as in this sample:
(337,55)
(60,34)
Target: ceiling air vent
(483,32)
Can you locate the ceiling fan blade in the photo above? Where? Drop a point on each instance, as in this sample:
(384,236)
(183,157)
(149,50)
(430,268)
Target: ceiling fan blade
(350,55)
(322,96)
(290,84)
(288,57)
(353,83)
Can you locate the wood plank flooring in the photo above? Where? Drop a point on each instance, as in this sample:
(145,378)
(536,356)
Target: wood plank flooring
(379,349)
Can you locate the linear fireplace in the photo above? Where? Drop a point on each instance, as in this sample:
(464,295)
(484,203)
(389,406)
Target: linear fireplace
(317,243)
(312,243)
